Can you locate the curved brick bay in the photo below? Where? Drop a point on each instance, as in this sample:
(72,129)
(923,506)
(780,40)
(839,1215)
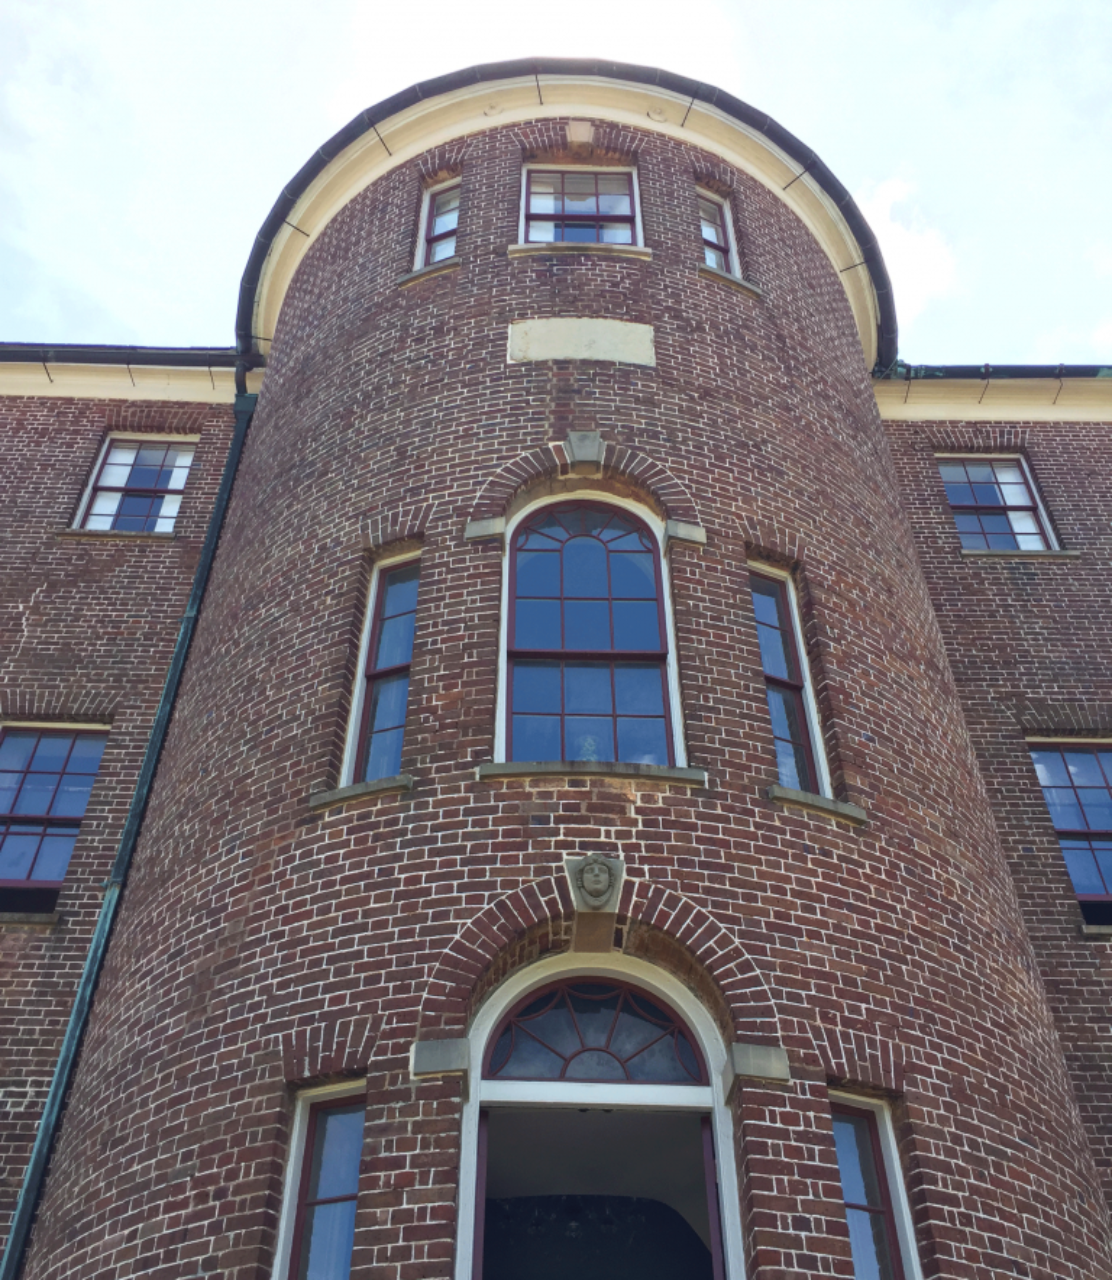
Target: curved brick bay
(265,944)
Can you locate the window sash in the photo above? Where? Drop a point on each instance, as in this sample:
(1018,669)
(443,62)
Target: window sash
(151,519)
(432,238)
(884,1210)
(716,248)
(981,537)
(1087,862)
(563,219)
(304,1202)
(378,678)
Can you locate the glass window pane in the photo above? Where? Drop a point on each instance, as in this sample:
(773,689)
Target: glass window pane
(589,738)
(1031,542)
(853,1141)
(1023,522)
(987,495)
(536,738)
(85,757)
(774,654)
(544,232)
(974,542)
(531,1060)
(790,771)
(105,504)
(401,590)
(1009,473)
(1016,495)
(967,522)
(123,454)
(766,604)
(338,1147)
(594,1014)
(38,792)
(658,1062)
(1065,812)
(536,686)
(537,624)
(579,193)
(1097,806)
(72,796)
(981,472)
(633,576)
(544,193)
(114,476)
(328,1239)
(168,507)
(17,851)
(585,568)
(869,1246)
(642,741)
(615,233)
(614,195)
(16,749)
(715,258)
(1102,851)
(636,625)
(1082,867)
(554,1027)
(960,495)
(538,573)
(54,856)
(439,250)
(587,688)
(384,755)
(580,232)
(1084,768)
(98,522)
(595,1064)
(952,471)
(587,624)
(388,699)
(9,788)
(395,641)
(639,690)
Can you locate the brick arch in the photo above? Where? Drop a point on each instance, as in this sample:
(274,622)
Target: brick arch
(619,462)
(329,1046)
(860,1058)
(446,1006)
(399,523)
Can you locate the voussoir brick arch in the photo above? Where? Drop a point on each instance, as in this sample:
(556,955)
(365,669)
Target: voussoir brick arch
(448,1000)
(618,463)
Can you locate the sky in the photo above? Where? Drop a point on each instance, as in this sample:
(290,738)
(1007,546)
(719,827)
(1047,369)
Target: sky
(142,145)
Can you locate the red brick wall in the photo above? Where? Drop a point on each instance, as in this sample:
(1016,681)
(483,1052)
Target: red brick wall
(1028,644)
(87,626)
(263,944)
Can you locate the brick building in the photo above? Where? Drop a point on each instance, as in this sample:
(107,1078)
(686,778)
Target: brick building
(557,754)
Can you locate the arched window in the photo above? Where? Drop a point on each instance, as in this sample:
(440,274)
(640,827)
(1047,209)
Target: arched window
(597,1118)
(588,639)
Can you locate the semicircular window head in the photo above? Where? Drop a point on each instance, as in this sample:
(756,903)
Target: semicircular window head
(588,642)
(597,1031)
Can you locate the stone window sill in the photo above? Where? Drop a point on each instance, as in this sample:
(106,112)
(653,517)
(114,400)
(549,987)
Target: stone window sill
(994,553)
(734,282)
(562,248)
(358,790)
(839,809)
(29,919)
(433,269)
(590,769)
(1096,930)
(98,535)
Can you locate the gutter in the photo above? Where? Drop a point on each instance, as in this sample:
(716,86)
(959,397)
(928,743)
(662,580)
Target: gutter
(899,371)
(34,1179)
(159,357)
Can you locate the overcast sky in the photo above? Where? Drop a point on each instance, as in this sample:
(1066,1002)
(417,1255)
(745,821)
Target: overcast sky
(142,144)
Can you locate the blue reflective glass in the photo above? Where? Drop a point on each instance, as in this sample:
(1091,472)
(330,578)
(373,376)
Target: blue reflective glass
(17,849)
(1082,867)
(587,688)
(1050,769)
(395,642)
(54,856)
(38,792)
(1098,808)
(384,756)
(585,568)
(536,738)
(788,767)
(338,1148)
(642,741)
(639,689)
(9,785)
(537,624)
(586,624)
(51,753)
(72,796)
(1102,851)
(15,750)
(536,686)
(1065,812)
(1083,769)
(960,495)
(579,233)
(986,495)
(774,654)
(538,573)
(329,1240)
(633,576)
(86,754)
(388,699)
(589,738)
(401,590)
(636,625)
(765,603)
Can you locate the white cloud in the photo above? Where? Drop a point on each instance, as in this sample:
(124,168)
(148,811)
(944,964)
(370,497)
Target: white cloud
(1102,340)
(922,265)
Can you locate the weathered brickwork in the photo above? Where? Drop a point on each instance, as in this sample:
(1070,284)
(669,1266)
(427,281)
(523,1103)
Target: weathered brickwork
(87,626)
(264,945)
(1028,645)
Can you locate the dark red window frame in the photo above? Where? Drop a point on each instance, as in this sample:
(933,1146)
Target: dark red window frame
(432,236)
(304,1204)
(29,892)
(374,675)
(151,494)
(793,683)
(885,1209)
(992,501)
(1087,849)
(657,658)
(561,991)
(569,220)
(712,247)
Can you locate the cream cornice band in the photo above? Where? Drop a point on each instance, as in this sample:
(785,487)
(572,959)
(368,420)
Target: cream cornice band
(123,382)
(483,103)
(1069,399)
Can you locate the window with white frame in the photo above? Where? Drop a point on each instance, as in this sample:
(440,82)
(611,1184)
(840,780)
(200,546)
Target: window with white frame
(579,206)
(597,1137)
(800,760)
(882,1239)
(719,250)
(377,728)
(588,662)
(439,224)
(316,1232)
(137,485)
(995,503)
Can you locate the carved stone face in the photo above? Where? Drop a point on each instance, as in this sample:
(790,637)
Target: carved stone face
(595,879)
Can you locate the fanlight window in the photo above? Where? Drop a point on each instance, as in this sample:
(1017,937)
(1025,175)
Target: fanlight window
(587,643)
(595,1031)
